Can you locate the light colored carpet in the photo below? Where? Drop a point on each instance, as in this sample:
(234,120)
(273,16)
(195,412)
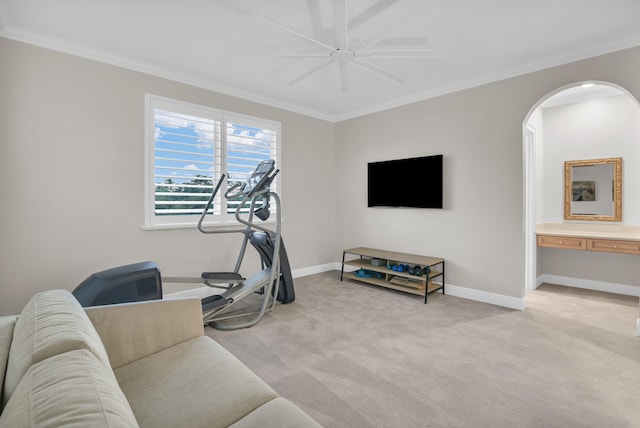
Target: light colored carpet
(354,355)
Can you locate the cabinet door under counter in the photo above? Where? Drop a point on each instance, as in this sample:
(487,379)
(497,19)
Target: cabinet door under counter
(607,239)
(569,243)
(611,246)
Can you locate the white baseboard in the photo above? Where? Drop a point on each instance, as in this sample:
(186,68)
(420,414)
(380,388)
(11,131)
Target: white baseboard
(609,287)
(311,270)
(201,291)
(472,294)
(453,290)
(486,297)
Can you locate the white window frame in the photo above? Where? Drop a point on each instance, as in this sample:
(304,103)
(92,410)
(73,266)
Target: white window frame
(221,217)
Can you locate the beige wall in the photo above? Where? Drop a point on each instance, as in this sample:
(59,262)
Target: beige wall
(72,179)
(480,231)
(71,134)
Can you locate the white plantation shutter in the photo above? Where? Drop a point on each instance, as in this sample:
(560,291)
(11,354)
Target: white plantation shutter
(188,148)
(186,155)
(248,142)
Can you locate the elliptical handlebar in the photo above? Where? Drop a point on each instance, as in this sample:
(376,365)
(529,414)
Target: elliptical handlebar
(258,181)
(209,203)
(264,183)
(257,184)
(232,192)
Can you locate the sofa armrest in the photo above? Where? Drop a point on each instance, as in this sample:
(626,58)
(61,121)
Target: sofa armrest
(131,331)
(6,335)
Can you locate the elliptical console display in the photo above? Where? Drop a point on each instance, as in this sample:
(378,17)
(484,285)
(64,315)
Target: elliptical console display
(258,181)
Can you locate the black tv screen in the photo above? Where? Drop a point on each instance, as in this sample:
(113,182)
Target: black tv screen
(414,182)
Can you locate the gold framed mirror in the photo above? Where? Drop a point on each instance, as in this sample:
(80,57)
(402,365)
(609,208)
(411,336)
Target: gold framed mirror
(593,190)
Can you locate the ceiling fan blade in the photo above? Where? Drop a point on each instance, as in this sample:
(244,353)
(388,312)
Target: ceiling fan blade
(344,76)
(295,33)
(402,53)
(234,7)
(310,72)
(245,12)
(370,12)
(375,69)
(320,55)
(340,23)
(384,33)
(404,42)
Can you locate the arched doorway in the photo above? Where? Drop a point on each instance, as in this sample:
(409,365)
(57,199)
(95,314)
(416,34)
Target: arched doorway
(579,92)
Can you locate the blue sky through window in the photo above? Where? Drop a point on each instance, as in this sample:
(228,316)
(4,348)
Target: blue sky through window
(186,147)
(246,147)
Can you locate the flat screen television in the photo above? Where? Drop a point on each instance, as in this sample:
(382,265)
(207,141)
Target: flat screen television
(412,182)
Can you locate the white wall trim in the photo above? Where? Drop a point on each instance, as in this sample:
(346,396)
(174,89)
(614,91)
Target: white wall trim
(609,287)
(201,291)
(486,297)
(477,295)
(529,171)
(463,292)
(91,53)
(43,40)
(452,290)
(312,270)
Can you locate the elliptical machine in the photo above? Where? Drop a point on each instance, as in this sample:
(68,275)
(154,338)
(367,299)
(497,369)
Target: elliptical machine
(274,281)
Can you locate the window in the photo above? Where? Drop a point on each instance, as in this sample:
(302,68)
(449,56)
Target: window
(188,148)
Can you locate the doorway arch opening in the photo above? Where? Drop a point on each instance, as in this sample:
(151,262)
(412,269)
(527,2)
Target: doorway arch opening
(538,206)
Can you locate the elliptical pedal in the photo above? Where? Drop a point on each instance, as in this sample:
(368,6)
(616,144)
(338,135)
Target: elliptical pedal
(222,276)
(213,301)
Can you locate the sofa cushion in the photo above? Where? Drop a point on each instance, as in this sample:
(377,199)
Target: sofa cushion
(131,331)
(51,323)
(277,413)
(72,389)
(6,333)
(196,381)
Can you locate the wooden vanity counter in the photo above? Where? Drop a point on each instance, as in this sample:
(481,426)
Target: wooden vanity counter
(590,237)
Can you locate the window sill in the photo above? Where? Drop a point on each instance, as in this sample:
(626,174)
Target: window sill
(216,224)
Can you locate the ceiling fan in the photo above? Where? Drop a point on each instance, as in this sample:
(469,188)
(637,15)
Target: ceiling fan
(342,50)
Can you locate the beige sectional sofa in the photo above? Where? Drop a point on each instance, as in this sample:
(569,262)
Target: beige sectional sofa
(137,364)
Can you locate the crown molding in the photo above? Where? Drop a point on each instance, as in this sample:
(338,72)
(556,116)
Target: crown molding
(560,99)
(64,46)
(542,64)
(83,51)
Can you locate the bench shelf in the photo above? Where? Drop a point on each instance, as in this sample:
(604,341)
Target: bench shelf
(402,281)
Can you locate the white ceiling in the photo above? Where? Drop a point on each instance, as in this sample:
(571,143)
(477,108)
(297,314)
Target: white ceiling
(237,46)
